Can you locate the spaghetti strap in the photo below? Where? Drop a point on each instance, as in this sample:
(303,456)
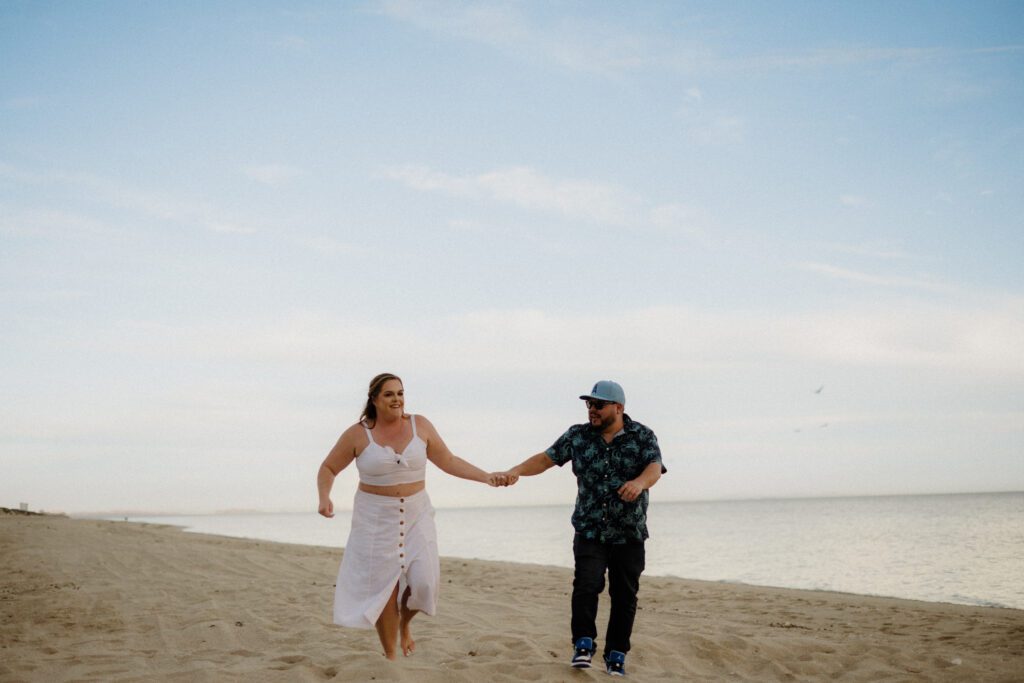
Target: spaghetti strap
(412,418)
(369,434)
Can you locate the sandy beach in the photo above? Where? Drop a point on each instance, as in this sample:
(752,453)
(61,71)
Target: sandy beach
(113,601)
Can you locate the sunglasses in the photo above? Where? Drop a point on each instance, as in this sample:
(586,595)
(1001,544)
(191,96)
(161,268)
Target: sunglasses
(597,405)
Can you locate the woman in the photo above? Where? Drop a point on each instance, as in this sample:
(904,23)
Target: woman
(392,547)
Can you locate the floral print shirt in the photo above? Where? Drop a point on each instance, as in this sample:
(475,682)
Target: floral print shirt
(600,469)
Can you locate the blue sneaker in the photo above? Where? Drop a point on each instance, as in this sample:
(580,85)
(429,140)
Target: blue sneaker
(615,663)
(584,653)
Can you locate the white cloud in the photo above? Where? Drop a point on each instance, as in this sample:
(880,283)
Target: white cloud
(329,245)
(586,200)
(898,281)
(145,203)
(529,189)
(674,217)
(853,56)
(272,174)
(39,295)
(686,221)
(969,339)
(853,200)
(707,127)
(579,198)
(603,47)
(47,222)
(160,206)
(969,343)
(722,129)
(229,228)
(876,250)
(492,23)
(827,57)
(428,180)
(579,45)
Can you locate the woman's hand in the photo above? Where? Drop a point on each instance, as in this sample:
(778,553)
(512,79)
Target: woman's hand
(502,478)
(326,508)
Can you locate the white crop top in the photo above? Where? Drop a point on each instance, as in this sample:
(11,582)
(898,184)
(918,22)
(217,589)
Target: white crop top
(381,466)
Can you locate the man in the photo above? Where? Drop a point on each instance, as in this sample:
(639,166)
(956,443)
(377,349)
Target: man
(615,461)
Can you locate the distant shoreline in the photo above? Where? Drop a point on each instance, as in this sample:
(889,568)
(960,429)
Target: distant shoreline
(12,511)
(101,514)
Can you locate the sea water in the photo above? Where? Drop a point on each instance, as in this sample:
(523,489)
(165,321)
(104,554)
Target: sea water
(965,549)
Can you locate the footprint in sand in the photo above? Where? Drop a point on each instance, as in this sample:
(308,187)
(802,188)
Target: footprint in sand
(289,661)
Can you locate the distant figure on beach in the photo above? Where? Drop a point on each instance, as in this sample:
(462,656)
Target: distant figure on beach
(390,569)
(615,460)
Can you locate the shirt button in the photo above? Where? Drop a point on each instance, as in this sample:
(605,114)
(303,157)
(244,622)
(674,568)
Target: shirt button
(401,500)
(402,522)
(401,509)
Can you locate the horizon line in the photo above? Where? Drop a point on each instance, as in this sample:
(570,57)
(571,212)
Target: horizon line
(296,511)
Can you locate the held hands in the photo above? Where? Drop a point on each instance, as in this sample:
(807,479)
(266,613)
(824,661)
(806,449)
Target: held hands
(506,478)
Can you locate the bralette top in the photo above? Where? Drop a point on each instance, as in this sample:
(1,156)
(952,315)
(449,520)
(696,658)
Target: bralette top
(382,466)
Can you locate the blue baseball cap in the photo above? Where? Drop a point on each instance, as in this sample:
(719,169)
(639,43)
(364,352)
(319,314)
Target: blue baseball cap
(606,390)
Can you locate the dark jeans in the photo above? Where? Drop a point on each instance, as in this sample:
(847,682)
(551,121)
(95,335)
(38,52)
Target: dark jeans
(624,563)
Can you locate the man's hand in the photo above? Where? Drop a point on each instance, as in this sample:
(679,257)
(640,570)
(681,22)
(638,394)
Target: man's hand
(630,491)
(506,478)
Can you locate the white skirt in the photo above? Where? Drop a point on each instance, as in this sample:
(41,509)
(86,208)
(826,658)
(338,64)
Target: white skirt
(392,541)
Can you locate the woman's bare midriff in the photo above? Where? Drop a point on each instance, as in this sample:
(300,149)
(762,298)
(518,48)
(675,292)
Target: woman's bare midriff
(394,491)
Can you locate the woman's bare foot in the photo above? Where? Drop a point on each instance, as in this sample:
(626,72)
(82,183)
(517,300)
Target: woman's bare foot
(404,633)
(387,626)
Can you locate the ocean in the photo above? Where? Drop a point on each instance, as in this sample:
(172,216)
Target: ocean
(966,549)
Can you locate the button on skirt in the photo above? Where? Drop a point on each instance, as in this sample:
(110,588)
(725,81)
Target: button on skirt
(392,541)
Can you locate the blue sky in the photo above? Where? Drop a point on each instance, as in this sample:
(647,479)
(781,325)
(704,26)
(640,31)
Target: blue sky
(219,220)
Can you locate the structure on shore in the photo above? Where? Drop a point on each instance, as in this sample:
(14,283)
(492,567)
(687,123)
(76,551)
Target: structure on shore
(23,511)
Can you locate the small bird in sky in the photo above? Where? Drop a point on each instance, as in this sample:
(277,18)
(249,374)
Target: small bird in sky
(818,390)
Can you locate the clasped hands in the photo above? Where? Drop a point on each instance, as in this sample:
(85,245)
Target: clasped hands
(506,478)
